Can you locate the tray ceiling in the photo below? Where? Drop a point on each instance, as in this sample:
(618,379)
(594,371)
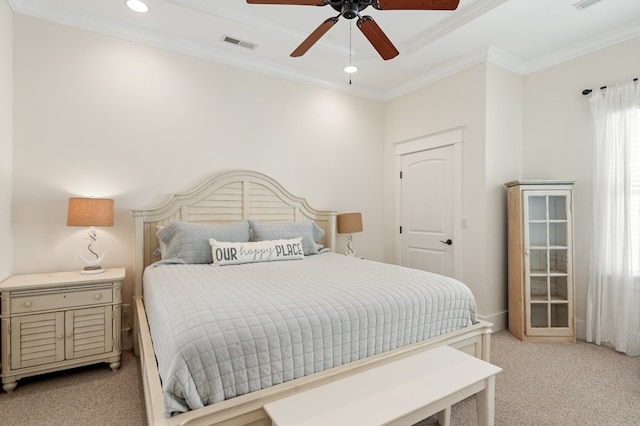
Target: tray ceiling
(521,35)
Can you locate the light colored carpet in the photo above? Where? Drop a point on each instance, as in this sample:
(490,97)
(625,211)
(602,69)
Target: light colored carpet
(558,384)
(85,396)
(542,384)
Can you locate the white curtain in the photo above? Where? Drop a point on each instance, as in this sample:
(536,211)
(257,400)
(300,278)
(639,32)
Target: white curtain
(613,302)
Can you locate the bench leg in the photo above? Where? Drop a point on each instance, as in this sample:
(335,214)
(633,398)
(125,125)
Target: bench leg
(485,399)
(444,417)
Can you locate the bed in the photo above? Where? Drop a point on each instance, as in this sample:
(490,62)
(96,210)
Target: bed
(167,293)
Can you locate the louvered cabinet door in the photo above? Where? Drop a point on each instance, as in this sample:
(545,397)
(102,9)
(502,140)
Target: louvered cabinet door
(37,340)
(88,332)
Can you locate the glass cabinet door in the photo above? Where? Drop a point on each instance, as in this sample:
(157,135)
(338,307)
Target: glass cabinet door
(547,231)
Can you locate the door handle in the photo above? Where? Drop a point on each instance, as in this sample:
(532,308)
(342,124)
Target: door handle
(448,242)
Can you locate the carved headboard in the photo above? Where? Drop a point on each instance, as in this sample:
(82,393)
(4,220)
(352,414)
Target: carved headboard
(224,197)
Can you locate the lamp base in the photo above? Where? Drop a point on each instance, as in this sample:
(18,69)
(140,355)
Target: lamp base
(92,266)
(350,251)
(88,270)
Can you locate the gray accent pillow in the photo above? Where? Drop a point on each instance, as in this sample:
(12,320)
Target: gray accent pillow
(309,231)
(185,242)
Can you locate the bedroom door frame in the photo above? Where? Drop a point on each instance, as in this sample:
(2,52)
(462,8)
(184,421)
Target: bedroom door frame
(451,137)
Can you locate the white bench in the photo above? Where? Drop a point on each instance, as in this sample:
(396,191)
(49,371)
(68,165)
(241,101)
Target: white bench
(402,392)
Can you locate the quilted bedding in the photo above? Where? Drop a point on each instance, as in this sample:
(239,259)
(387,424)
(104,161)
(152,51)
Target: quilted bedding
(221,332)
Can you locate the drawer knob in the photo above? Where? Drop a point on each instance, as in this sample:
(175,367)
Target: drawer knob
(69,334)
(27,304)
(60,336)
(98,296)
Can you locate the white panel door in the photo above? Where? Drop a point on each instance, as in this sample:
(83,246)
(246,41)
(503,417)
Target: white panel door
(427,210)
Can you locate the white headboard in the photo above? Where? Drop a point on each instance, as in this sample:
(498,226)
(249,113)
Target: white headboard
(225,197)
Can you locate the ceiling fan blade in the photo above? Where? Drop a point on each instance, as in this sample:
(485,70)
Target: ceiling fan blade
(294,2)
(416,4)
(314,37)
(377,38)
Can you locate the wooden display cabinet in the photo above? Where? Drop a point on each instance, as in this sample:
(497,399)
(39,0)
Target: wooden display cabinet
(541,277)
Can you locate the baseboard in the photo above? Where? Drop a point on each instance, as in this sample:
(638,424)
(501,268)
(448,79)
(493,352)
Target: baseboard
(499,320)
(581,329)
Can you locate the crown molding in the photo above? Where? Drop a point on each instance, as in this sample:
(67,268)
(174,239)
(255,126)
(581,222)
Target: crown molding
(73,18)
(487,54)
(584,47)
(431,76)
(180,45)
(514,64)
(507,61)
(451,24)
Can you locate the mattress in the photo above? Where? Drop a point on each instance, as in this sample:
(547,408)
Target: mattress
(221,332)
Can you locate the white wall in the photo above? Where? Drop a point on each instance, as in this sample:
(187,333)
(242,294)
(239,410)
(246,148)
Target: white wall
(455,101)
(96,115)
(502,164)
(558,136)
(6,138)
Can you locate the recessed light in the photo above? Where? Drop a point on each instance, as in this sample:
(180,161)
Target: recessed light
(350,69)
(137,6)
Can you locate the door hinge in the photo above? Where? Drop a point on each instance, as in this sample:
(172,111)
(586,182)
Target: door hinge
(401,229)
(400,175)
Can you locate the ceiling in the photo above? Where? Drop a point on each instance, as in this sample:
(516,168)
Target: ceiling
(521,35)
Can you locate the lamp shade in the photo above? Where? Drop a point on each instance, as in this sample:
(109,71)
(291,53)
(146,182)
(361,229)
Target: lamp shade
(348,223)
(90,212)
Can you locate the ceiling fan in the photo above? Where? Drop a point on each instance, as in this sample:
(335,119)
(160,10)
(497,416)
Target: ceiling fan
(351,9)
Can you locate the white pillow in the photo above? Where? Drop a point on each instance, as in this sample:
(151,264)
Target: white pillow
(229,253)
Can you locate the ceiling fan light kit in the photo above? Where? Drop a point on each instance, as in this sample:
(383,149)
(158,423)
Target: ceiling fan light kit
(350,9)
(137,6)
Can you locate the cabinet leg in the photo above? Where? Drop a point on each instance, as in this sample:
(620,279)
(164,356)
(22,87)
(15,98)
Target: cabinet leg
(9,387)
(114,365)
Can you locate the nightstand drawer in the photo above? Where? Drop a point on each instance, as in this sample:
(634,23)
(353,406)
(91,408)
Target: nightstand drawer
(34,303)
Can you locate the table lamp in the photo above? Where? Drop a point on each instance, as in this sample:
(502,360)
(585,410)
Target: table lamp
(91,212)
(349,223)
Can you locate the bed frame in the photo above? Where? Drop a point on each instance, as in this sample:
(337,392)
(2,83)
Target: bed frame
(240,195)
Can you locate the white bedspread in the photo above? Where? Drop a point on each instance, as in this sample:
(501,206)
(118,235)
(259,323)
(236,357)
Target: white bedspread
(220,332)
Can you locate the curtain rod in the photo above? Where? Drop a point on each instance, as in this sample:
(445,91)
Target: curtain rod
(587,91)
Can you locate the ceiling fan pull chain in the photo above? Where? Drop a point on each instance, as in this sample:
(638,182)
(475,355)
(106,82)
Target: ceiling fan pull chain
(350,51)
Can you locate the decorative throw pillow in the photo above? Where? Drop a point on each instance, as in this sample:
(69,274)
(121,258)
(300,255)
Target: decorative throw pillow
(309,231)
(226,253)
(185,242)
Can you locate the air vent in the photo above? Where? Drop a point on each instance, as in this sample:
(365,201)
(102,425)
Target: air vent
(582,5)
(239,42)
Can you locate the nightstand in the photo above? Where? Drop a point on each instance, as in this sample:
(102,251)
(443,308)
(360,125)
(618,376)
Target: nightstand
(57,321)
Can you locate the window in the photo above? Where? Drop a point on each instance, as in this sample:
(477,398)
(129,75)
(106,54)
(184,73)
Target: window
(634,178)
(613,297)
